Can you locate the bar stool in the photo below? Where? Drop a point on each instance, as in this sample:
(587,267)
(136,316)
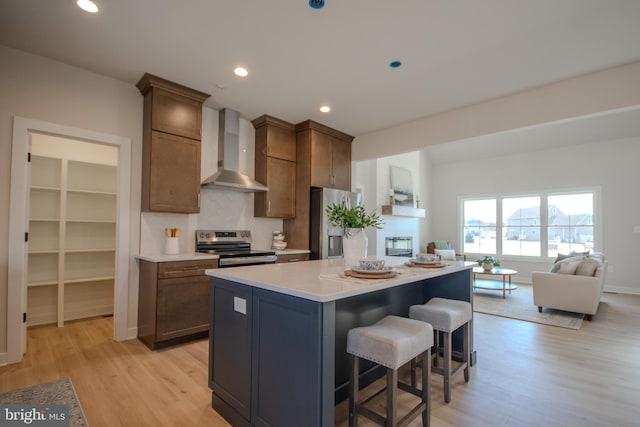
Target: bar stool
(391,342)
(446,316)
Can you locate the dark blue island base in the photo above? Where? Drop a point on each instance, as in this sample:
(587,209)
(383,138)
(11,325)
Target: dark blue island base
(280,360)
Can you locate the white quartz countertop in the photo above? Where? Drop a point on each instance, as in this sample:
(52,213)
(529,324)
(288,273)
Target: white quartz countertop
(324,280)
(195,256)
(186,256)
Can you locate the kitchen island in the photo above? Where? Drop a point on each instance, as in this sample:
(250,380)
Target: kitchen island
(278,334)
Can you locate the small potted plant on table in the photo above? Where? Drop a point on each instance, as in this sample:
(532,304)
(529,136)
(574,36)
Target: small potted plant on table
(488,262)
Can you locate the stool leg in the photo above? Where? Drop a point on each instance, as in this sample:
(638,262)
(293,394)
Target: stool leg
(414,373)
(353,391)
(392,396)
(447,366)
(426,389)
(465,350)
(436,347)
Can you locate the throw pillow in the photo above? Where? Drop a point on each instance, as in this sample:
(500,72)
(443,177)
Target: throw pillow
(556,267)
(446,254)
(588,267)
(569,267)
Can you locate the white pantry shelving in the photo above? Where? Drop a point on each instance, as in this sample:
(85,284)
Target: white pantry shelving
(72,228)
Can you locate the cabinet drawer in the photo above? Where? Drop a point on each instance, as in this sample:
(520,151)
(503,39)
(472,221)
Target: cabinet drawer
(292,258)
(168,270)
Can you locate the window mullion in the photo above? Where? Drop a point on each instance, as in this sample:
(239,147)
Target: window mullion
(544,225)
(499,232)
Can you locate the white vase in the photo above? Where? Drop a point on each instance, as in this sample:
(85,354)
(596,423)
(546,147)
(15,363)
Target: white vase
(354,247)
(487,265)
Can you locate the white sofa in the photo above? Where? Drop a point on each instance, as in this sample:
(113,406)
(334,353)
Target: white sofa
(569,291)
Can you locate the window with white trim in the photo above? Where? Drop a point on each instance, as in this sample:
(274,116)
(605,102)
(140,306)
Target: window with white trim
(530,225)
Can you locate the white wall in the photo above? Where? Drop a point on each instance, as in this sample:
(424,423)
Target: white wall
(372,178)
(610,165)
(38,88)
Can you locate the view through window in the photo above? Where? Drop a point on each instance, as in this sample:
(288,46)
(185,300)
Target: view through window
(516,225)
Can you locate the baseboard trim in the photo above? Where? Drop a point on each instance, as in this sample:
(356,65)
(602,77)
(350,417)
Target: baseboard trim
(622,290)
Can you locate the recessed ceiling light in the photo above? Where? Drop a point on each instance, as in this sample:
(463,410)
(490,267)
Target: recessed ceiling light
(241,72)
(325,109)
(88,6)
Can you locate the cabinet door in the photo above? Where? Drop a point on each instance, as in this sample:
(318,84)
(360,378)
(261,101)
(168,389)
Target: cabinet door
(176,114)
(341,164)
(230,345)
(174,174)
(279,201)
(183,307)
(321,160)
(281,143)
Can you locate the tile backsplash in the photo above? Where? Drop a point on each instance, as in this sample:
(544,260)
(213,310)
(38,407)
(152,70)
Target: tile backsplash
(219,209)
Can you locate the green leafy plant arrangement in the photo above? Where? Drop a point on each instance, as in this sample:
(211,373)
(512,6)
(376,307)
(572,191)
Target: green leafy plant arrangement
(489,258)
(347,217)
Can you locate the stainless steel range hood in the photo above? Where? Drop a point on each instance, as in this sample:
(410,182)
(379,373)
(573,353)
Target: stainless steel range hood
(227,177)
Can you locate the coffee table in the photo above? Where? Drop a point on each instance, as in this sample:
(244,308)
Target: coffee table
(496,271)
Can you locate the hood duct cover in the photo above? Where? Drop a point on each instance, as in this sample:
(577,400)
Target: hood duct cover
(227,177)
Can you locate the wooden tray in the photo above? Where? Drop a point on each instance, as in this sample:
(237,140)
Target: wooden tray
(413,264)
(388,275)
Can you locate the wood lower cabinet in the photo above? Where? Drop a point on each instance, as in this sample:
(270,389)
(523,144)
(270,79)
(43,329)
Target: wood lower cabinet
(172,124)
(275,166)
(292,258)
(173,302)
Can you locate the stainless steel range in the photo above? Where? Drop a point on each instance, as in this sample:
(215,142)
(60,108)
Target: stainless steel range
(233,247)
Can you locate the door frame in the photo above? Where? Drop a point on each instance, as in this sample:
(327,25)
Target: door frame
(18,225)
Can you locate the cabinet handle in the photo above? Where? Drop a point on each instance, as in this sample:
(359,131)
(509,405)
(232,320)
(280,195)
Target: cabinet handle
(190,268)
(294,259)
(269,206)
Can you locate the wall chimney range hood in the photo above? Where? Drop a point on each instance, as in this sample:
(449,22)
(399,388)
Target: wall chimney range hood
(228,177)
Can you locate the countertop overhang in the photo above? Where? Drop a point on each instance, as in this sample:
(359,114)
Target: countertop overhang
(324,280)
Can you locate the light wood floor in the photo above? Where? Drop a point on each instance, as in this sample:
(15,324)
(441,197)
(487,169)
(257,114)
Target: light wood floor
(527,374)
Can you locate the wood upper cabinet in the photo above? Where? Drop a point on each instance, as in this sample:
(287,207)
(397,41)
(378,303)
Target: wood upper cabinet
(172,125)
(176,114)
(330,155)
(323,159)
(275,166)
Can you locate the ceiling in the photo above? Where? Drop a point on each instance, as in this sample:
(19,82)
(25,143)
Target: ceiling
(453,53)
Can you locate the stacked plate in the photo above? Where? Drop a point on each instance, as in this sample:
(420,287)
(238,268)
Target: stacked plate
(359,270)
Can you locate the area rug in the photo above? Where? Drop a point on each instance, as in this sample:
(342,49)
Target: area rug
(519,305)
(59,392)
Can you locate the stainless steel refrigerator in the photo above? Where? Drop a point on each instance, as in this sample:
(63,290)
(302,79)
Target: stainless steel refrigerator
(325,240)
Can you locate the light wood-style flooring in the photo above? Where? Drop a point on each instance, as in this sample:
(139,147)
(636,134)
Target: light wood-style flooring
(527,374)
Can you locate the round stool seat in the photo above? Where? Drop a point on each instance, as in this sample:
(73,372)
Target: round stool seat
(391,342)
(444,315)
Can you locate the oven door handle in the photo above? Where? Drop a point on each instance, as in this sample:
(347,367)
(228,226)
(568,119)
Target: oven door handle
(229,262)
